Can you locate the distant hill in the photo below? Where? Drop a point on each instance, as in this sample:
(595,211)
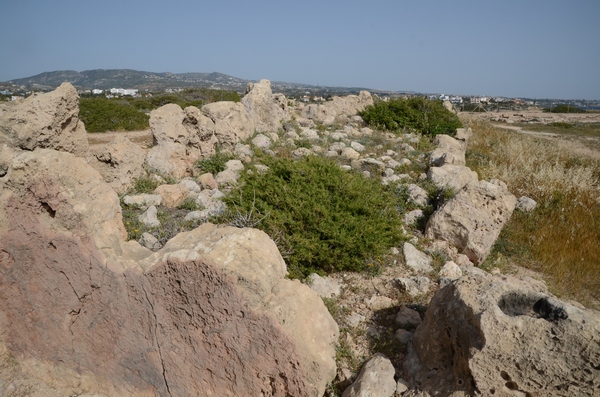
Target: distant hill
(150,81)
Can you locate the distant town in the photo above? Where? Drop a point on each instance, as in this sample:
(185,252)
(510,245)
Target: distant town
(137,84)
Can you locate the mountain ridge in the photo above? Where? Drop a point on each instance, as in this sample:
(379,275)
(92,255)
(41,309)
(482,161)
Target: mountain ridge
(154,81)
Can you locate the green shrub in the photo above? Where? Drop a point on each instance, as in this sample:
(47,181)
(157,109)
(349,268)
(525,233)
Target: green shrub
(417,113)
(215,163)
(101,114)
(145,185)
(322,217)
(564,108)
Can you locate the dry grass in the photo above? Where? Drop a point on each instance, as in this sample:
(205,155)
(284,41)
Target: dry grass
(561,238)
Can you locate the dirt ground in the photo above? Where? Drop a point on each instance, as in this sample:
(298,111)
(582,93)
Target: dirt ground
(144,138)
(587,146)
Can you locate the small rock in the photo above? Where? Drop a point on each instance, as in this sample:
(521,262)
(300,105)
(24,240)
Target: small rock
(149,241)
(375,379)
(207,181)
(357,146)
(414,285)
(325,287)
(408,318)
(417,260)
(403,336)
(355,319)
(350,154)
(142,200)
(526,204)
(149,218)
(401,386)
(377,302)
(301,152)
(261,141)
(450,272)
(418,195)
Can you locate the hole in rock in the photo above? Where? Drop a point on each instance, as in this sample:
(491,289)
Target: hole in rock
(504,375)
(523,304)
(49,210)
(512,385)
(492,391)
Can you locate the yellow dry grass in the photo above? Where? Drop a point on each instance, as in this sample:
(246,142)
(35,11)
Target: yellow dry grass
(561,238)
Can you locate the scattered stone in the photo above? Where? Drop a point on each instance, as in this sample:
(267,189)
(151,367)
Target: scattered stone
(207,181)
(149,241)
(417,260)
(172,195)
(414,286)
(261,141)
(142,200)
(325,287)
(266,109)
(403,336)
(401,386)
(408,318)
(357,146)
(449,272)
(309,134)
(355,319)
(149,218)
(418,195)
(377,302)
(526,204)
(375,379)
(190,185)
(350,154)
(301,152)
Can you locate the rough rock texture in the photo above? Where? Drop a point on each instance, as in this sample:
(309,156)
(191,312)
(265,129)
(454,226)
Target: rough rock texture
(172,195)
(376,379)
(183,136)
(504,336)
(266,110)
(473,219)
(48,120)
(448,151)
(232,122)
(120,163)
(337,107)
(450,175)
(416,260)
(211,311)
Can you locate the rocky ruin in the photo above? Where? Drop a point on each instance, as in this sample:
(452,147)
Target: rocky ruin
(211,312)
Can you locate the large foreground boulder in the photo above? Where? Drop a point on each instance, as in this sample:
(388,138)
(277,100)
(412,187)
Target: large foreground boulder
(83,311)
(503,336)
(472,220)
(48,120)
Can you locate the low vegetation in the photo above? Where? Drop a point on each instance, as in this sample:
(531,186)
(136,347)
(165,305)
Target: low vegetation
(324,218)
(101,114)
(564,108)
(417,113)
(560,238)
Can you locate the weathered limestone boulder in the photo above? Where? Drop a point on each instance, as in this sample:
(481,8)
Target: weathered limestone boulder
(120,163)
(210,313)
(183,136)
(233,124)
(375,379)
(325,287)
(266,110)
(452,176)
(503,336)
(338,107)
(48,120)
(448,151)
(169,159)
(172,195)
(473,219)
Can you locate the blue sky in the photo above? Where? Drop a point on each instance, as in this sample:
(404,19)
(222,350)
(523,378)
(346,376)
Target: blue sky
(526,48)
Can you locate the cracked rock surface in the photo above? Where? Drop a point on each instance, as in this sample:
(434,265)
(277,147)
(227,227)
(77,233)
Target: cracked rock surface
(83,310)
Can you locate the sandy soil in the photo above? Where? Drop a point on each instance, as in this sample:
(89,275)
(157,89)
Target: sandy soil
(144,138)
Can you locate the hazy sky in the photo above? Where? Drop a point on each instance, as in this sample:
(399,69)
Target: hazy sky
(524,48)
